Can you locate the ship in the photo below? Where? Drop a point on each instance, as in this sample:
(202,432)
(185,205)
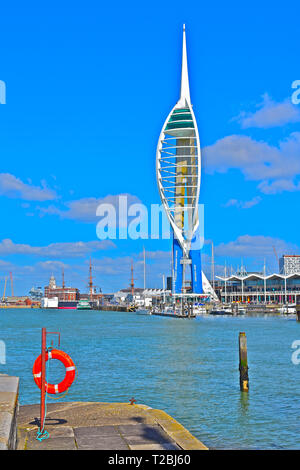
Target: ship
(67,304)
(84,305)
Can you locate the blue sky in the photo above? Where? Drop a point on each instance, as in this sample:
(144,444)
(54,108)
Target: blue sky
(88,87)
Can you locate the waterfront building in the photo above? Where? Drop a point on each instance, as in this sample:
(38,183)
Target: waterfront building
(141,297)
(17,299)
(96,297)
(259,288)
(62,293)
(52,282)
(178,172)
(169,283)
(49,303)
(289,264)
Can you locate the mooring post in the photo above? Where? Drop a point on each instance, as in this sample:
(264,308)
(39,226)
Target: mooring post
(43,379)
(244,379)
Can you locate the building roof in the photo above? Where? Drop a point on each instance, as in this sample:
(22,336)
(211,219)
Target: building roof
(246,277)
(290,256)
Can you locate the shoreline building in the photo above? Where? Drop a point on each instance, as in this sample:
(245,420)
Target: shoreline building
(178,173)
(289,264)
(63,294)
(259,288)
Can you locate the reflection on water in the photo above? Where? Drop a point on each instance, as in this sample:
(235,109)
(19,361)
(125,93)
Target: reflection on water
(244,403)
(189,368)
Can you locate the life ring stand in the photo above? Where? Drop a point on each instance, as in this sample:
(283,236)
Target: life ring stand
(67,362)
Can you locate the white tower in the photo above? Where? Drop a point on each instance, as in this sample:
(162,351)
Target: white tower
(178,172)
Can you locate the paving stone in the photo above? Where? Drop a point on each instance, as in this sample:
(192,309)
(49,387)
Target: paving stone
(5,424)
(139,434)
(89,431)
(9,384)
(56,443)
(8,399)
(102,426)
(166,446)
(3,446)
(54,431)
(141,430)
(101,443)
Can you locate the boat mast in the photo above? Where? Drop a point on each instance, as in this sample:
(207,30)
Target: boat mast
(144,269)
(90,280)
(212,265)
(225,283)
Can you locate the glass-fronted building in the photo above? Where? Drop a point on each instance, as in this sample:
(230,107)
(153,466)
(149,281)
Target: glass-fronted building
(258,288)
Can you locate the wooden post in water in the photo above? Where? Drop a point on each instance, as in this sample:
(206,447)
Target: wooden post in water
(244,379)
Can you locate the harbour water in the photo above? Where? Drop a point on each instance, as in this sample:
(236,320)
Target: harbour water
(189,368)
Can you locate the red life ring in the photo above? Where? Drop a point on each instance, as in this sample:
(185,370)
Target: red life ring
(70,371)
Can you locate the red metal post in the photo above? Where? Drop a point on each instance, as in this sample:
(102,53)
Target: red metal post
(43,379)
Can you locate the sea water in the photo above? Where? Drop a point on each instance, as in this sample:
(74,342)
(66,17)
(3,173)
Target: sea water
(187,367)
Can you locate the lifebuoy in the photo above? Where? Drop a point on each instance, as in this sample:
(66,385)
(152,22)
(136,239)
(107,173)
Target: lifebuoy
(70,371)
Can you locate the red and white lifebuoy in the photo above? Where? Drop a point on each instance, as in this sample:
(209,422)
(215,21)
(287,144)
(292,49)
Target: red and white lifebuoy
(70,371)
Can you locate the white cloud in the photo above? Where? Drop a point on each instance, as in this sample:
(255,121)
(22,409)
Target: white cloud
(55,250)
(84,209)
(51,266)
(243,204)
(275,167)
(255,246)
(13,187)
(270,114)
(278,186)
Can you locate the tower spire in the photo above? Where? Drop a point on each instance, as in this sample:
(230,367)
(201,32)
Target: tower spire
(185,88)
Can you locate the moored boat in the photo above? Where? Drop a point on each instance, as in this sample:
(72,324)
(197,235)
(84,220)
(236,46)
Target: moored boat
(84,305)
(67,304)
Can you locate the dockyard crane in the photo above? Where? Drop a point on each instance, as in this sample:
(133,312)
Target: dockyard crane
(274,249)
(4,288)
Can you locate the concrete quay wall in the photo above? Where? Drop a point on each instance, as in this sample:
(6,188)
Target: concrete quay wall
(9,391)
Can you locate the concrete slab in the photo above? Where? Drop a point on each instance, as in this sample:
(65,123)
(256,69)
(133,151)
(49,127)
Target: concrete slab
(5,424)
(154,447)
(8,401)
(138,429)
(9,389)
(56,443)
(101,443)
(93,431)
(144,435)
(140,440)
(54,432)
(9,384)
(103,426)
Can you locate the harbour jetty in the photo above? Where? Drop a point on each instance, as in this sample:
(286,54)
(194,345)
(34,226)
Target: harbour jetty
(88,425)
(116,308)
(103,426)
(172,315)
